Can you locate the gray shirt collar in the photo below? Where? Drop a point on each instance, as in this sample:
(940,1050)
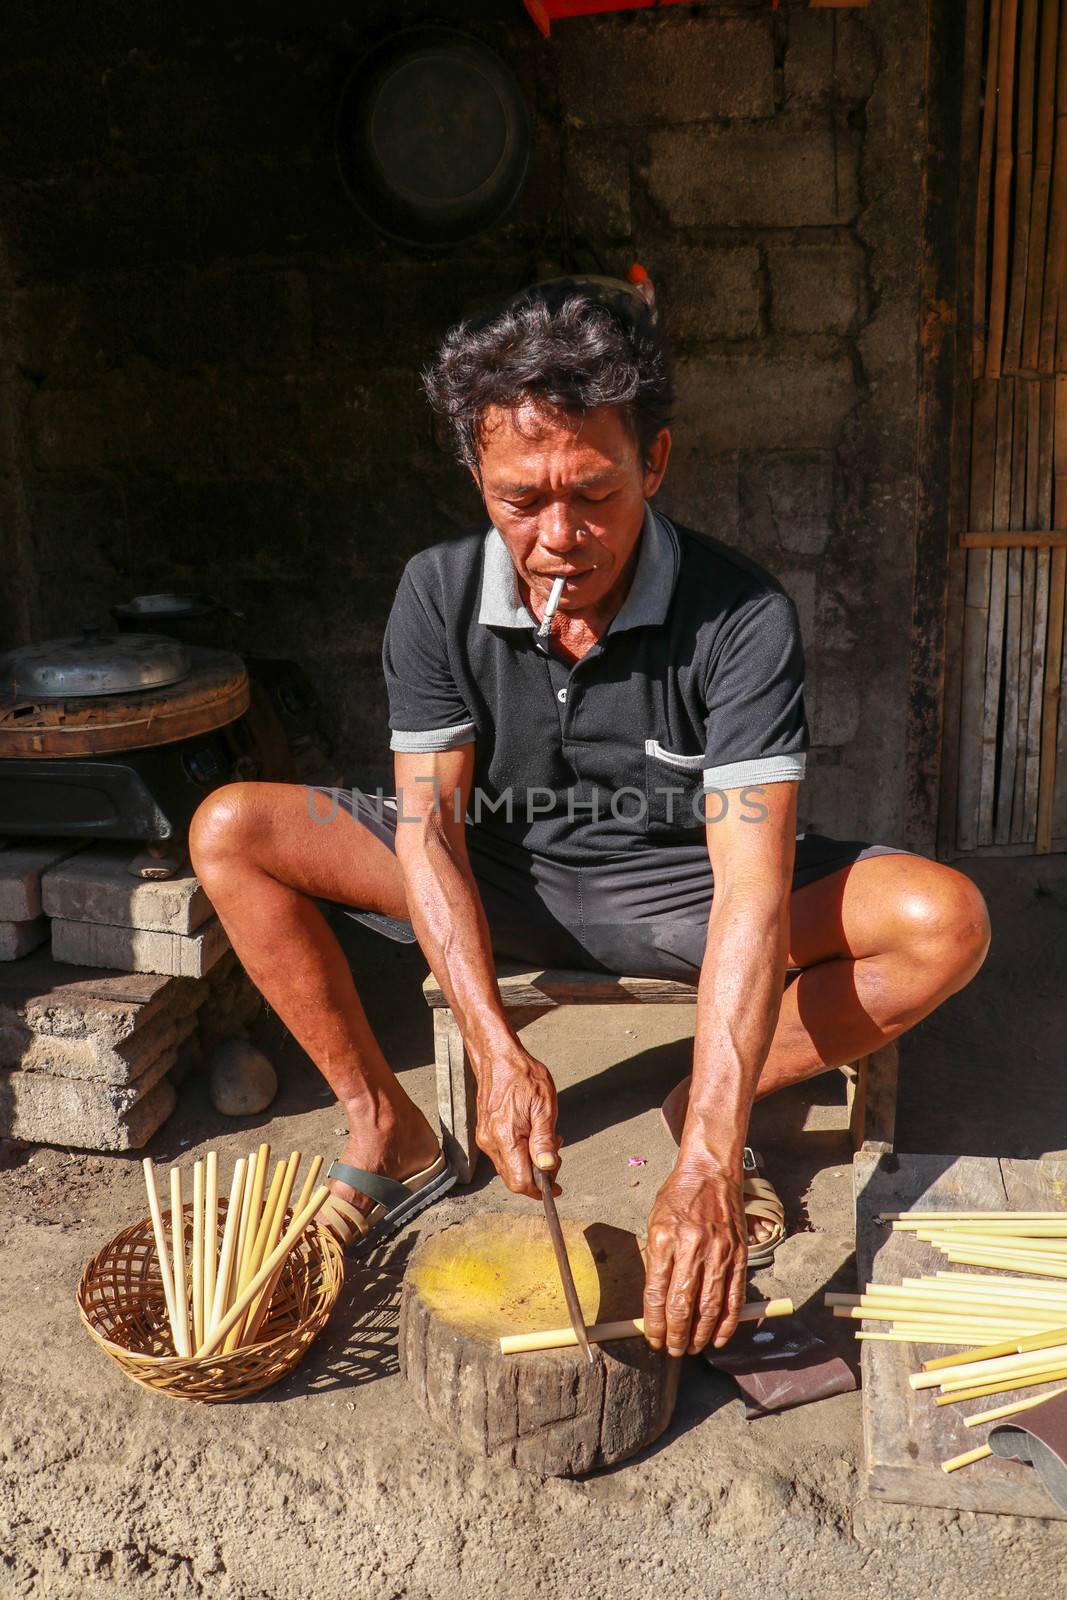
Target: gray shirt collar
(646,604)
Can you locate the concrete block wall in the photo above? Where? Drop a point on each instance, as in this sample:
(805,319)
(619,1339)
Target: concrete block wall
(210,364)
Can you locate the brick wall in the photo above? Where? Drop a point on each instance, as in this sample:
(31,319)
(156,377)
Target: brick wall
(209,365)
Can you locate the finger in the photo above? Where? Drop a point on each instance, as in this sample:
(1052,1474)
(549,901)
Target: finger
(712,1300)
(517,1171)
(544,1145)
(682,1300)
(736,1291)
(658,1270)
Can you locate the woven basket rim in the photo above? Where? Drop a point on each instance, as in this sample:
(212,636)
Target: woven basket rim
(324,1246)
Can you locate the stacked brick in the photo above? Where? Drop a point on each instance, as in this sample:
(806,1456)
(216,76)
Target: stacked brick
(89,1057)
(23,926)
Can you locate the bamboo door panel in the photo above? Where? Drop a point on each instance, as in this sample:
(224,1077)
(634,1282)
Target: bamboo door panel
(1012,774)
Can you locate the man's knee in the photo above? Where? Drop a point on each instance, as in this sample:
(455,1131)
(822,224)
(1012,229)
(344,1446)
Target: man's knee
(221,826)
(945,914)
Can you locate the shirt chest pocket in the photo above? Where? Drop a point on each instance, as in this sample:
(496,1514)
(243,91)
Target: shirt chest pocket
(674,789)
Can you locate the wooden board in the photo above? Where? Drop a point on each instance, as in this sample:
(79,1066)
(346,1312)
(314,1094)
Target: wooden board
(906,1436)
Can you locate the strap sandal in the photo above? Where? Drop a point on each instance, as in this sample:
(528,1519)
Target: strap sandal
(397,1202)
(762,1204)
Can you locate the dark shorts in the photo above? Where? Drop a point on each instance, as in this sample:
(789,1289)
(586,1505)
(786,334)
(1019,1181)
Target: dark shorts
(645,915)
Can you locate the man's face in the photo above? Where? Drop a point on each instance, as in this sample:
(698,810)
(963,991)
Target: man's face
(567,495)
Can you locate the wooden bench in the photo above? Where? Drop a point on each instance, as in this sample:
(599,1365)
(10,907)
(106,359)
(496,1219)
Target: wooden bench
(527,995)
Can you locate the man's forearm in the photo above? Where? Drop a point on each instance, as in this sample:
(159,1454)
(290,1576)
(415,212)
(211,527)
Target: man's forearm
(738,1000)
(445,910)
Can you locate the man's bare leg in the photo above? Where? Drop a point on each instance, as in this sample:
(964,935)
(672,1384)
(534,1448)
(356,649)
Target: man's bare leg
(263,860)
(881,943)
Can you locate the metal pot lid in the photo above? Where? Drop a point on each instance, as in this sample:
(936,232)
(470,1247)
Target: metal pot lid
(94,664)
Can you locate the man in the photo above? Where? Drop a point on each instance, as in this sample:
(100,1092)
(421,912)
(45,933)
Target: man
(616,790)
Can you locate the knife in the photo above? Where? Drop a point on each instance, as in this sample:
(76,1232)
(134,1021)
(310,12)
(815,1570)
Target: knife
(570,1293)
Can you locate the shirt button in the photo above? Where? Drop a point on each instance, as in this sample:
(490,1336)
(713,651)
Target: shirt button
(561,696)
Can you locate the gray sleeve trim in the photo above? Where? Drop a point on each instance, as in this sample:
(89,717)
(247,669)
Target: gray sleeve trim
(433,739)
(764,769)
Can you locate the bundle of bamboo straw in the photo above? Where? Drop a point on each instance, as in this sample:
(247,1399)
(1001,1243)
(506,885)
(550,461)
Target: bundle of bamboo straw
(218,1299)
(1017,1325)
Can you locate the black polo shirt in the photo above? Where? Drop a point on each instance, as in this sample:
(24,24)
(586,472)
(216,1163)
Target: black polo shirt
(697,684)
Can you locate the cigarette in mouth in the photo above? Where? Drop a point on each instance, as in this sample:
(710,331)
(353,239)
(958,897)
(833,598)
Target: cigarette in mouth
(550,608)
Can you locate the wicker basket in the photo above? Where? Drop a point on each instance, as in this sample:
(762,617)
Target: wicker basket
(121,1301)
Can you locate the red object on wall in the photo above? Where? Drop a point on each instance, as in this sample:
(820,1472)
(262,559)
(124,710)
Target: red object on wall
(545,12)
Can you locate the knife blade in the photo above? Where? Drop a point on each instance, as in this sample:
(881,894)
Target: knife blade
(555,1233)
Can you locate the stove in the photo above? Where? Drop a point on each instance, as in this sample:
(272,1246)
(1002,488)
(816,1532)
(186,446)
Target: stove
(121,735)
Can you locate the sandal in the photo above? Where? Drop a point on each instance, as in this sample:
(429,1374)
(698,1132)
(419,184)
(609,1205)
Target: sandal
(398,1201)
(763,1205)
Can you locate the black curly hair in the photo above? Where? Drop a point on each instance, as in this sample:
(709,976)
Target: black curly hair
(568,346)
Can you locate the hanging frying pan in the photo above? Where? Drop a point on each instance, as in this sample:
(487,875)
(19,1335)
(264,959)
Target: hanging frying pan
(432,137)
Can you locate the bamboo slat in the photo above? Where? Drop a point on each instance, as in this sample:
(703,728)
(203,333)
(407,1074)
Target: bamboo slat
(985,170)
(976,614)
(1054,644)
(1002,175)
(1024,165)
(1009,725)
(1039,200)
(1058,210)
(998,567)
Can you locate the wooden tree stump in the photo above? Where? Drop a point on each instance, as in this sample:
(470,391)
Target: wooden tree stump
(548,1412)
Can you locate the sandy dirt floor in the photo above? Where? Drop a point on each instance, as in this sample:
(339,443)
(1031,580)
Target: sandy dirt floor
(333,1485)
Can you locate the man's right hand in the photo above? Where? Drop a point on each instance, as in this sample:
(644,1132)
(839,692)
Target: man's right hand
(517,1112)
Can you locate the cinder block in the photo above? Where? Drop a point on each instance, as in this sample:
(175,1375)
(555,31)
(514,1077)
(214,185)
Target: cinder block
(83,1116)
(598,182)
(707,293)
(782,175)
(816,288)
(788,499)
(88,1058)
(824,40)
(68,1002)
(90,1116)
(21,867)
(17,939)
(182,955)
(784,401)
(682,70)
(97,887)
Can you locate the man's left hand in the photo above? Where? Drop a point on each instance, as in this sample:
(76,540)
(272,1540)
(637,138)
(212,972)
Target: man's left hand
(697,1258)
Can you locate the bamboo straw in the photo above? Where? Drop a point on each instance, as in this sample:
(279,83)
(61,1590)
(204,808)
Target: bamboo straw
(257,1311)
(211,1225)
(986,1353)
(902,1220)
(1009,1410)
(960,1375)
(309,1184)
(245,1227)
(161,1246)
(1040,1284)
(999,1388)
(899,1337)
(1029,1370)
(965,1460)
(628,1328)
(260,1247)
(198,1252)
(177,1238)
(1043,1341)
(229,1245)
(993,1258)
(277,1256)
